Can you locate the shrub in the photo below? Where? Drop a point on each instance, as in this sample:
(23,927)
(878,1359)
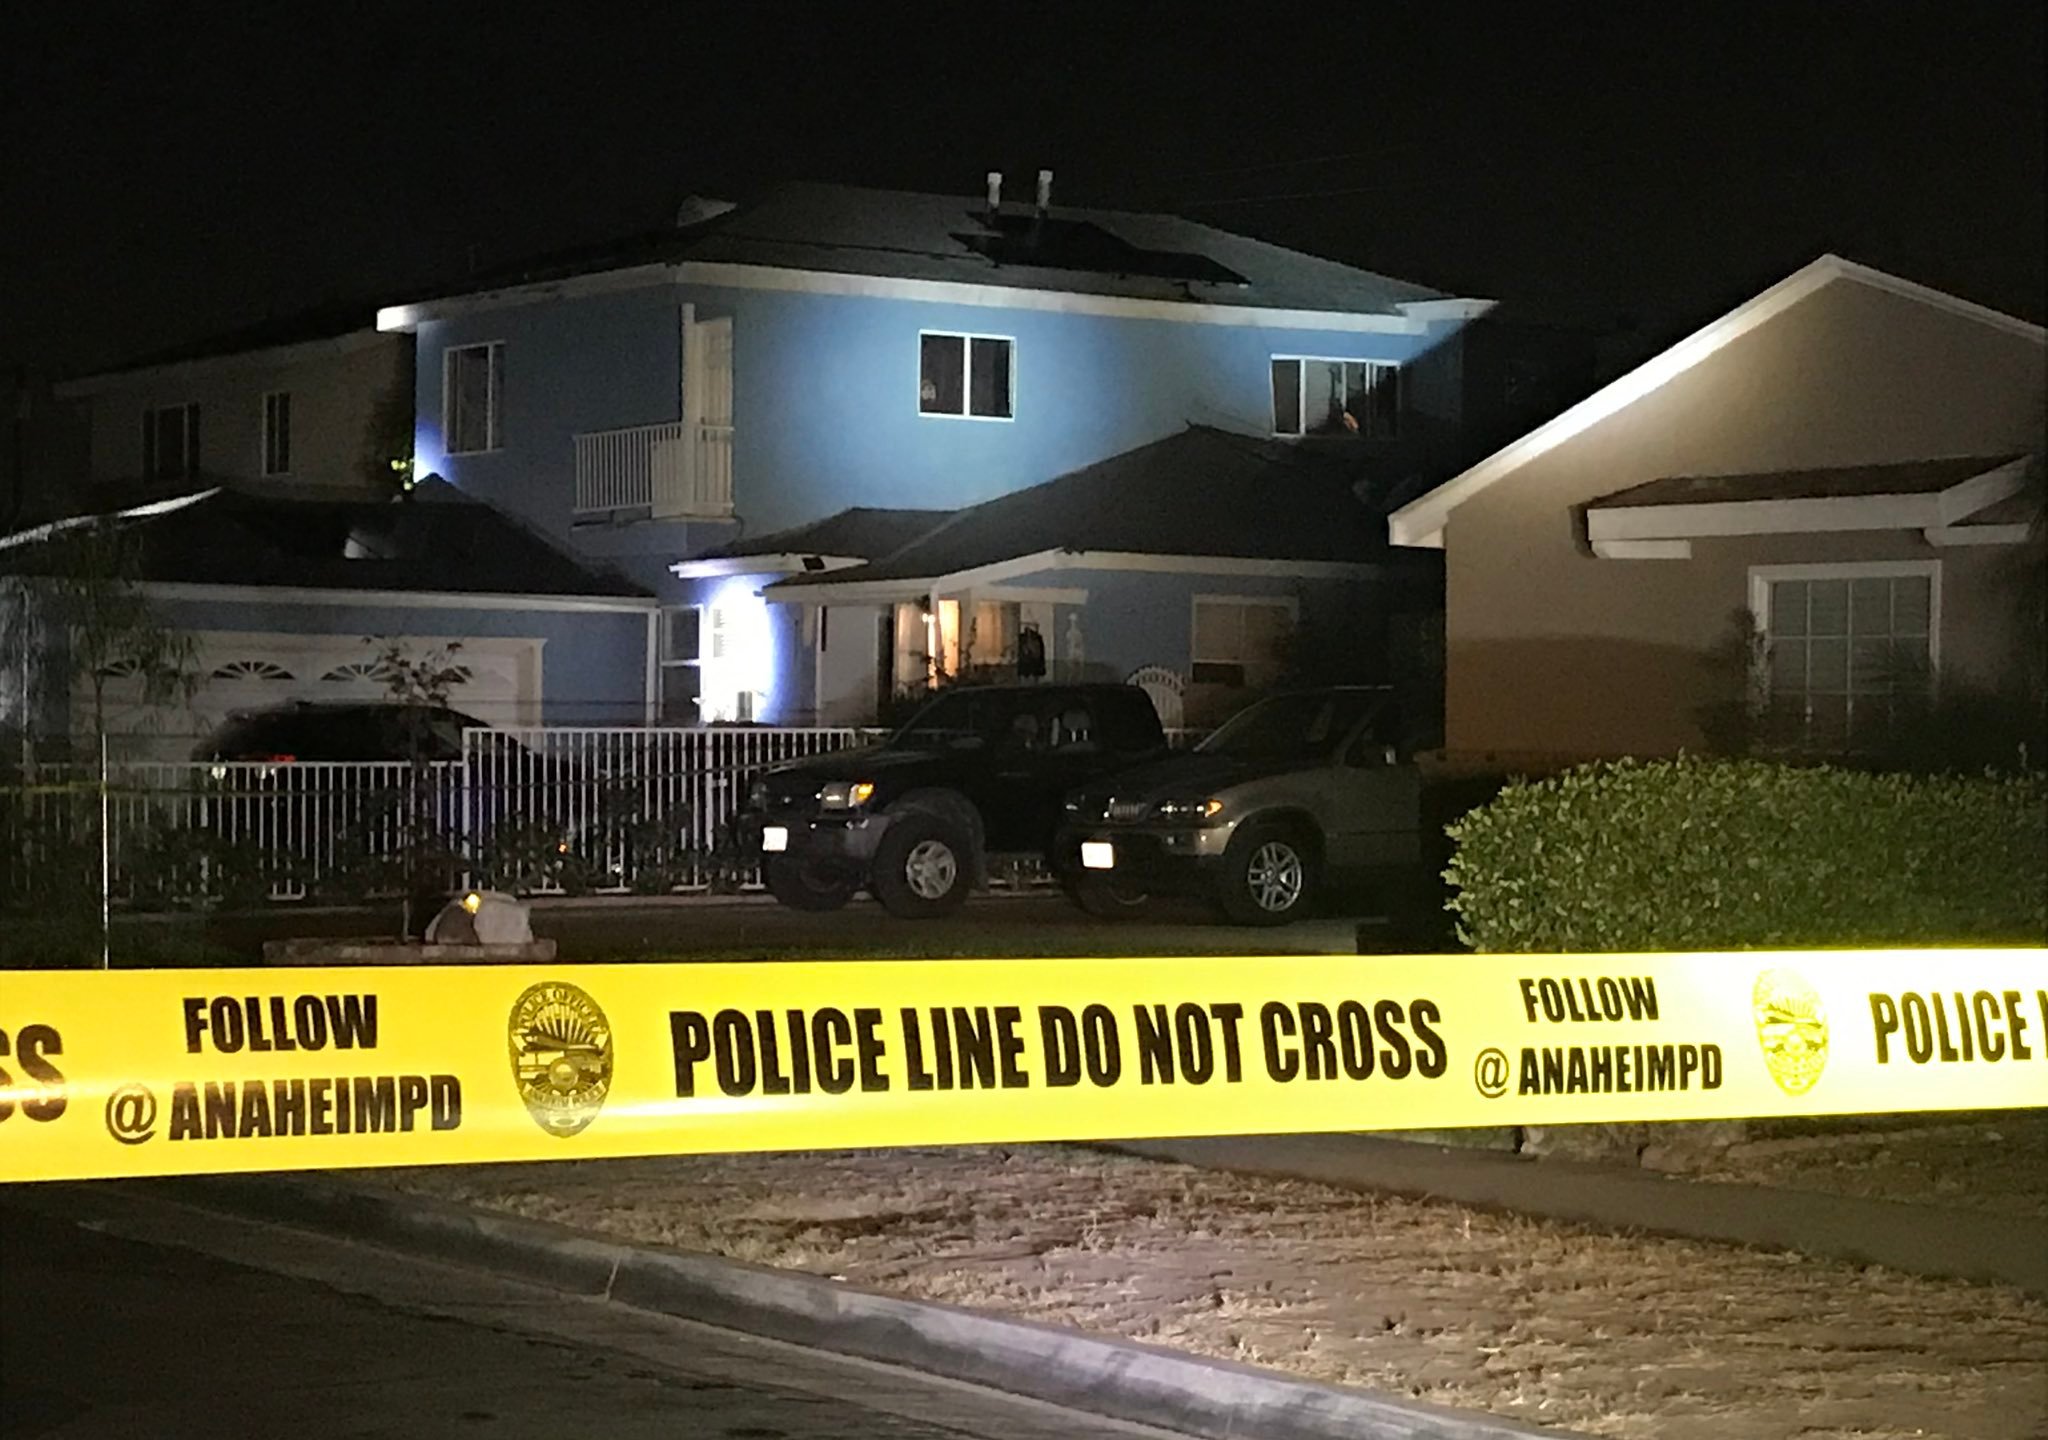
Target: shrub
(1694,854)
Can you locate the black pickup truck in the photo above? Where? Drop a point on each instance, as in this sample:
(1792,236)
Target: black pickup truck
(979,772)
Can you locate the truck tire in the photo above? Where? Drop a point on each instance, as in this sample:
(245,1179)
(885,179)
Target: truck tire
(807,885)
(924,867)
(1268,875)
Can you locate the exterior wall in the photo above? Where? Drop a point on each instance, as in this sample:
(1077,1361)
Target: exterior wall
(336,387)
(825,399)
(1551,652)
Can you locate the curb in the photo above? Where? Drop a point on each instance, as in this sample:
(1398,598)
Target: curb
(1119,1379)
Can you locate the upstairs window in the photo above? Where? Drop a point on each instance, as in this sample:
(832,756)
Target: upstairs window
(277,433)
(472,384)
(170,442)
(1336,397)
(966,375)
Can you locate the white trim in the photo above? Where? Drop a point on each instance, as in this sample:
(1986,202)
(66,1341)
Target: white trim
(966,410)
(1761,578)
(403,599)
(140,512)
(884,287)
(1130,562)
(1456,308)
(334,345)
(1810,514)
(781,562)
(494,383)
(1642,549)
(1421,521)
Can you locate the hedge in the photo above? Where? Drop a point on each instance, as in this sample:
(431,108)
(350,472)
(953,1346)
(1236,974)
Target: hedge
(1695,854)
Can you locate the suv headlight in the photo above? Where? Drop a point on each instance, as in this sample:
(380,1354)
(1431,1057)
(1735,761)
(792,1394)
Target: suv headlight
(1197,812)
(846,794)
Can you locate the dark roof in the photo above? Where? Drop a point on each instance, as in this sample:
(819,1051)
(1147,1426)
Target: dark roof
(326,322)
(842,229)
(437,542)
(861,532)
(1913,477)
(1202,492)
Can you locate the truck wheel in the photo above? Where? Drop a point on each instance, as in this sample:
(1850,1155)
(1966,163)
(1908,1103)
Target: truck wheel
(923,867)
(806,884)
(1108,899)
(1268,876)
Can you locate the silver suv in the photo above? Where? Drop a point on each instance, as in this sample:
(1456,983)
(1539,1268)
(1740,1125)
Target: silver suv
(1288,794)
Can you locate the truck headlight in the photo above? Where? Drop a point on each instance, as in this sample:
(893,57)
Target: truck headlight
(1197,812)
(846,794)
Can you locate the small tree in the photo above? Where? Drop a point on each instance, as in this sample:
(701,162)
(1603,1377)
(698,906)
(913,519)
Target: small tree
(420,684)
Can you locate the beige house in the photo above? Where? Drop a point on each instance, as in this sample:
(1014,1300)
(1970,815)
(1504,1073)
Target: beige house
(296,411)
(1852,458)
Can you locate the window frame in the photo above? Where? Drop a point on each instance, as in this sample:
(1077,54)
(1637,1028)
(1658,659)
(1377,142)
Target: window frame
(1289,603)
(265,435)
(1763,577)
(966,410)
(494,396)
(1302,362)
(188,441)
(666,617)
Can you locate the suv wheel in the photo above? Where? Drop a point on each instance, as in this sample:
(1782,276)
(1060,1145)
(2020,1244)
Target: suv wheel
(1268,877)
(807,884)
(1108,899)
(923,867)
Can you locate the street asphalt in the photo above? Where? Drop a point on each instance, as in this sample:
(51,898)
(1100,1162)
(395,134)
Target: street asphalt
(127,1317)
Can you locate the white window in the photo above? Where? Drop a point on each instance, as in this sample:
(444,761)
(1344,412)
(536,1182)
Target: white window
(472,388)
(967,375)
(1239,641)
(1316,396)
(681,678)
(277,433)
(170,442)
(1845,644)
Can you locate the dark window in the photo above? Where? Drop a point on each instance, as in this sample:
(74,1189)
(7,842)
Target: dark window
(472,382)
(170,442)
(1336,397)
(966,375)
(1286,397)
(277,433)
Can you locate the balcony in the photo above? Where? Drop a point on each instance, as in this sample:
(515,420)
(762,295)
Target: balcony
(673,470)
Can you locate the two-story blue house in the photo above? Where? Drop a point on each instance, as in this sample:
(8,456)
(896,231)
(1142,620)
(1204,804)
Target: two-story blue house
(854,440)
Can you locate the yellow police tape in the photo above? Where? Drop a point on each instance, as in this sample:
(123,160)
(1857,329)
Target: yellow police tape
(178,1072)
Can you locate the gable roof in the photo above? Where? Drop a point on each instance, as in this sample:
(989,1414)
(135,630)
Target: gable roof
(1200,494)
(1421,521)
(437,543)
(948,239)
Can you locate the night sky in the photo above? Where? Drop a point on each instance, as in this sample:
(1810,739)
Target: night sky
(169,173)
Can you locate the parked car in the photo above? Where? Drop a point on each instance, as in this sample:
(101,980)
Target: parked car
(978,773)
(310,731)
(1290,792)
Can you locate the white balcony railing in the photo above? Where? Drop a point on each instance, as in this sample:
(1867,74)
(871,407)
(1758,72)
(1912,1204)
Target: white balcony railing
(662,468)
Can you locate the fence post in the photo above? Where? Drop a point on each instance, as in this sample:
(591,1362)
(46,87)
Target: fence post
(106,880)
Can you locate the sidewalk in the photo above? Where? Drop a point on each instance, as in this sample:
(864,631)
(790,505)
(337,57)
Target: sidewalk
(1915,1239)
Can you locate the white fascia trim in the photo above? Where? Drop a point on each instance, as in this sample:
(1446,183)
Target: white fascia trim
(780,563)
(331,347)
(1944,537)
(1810,515)
(1981,492)
(1460,308)
(1130,562)
(1421,521)
(886,287)
(139,512)
(403,599)
(1643,549)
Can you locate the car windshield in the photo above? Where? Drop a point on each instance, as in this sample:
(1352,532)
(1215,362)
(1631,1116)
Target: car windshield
(1293,727)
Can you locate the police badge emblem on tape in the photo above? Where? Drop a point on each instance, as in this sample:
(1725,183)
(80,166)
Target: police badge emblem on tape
(561,1046)
(1791,1028)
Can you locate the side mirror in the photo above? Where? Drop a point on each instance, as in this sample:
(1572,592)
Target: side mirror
(1365,755)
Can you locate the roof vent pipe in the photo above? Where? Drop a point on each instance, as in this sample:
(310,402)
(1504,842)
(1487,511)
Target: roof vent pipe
(995,192)
(1044,192)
